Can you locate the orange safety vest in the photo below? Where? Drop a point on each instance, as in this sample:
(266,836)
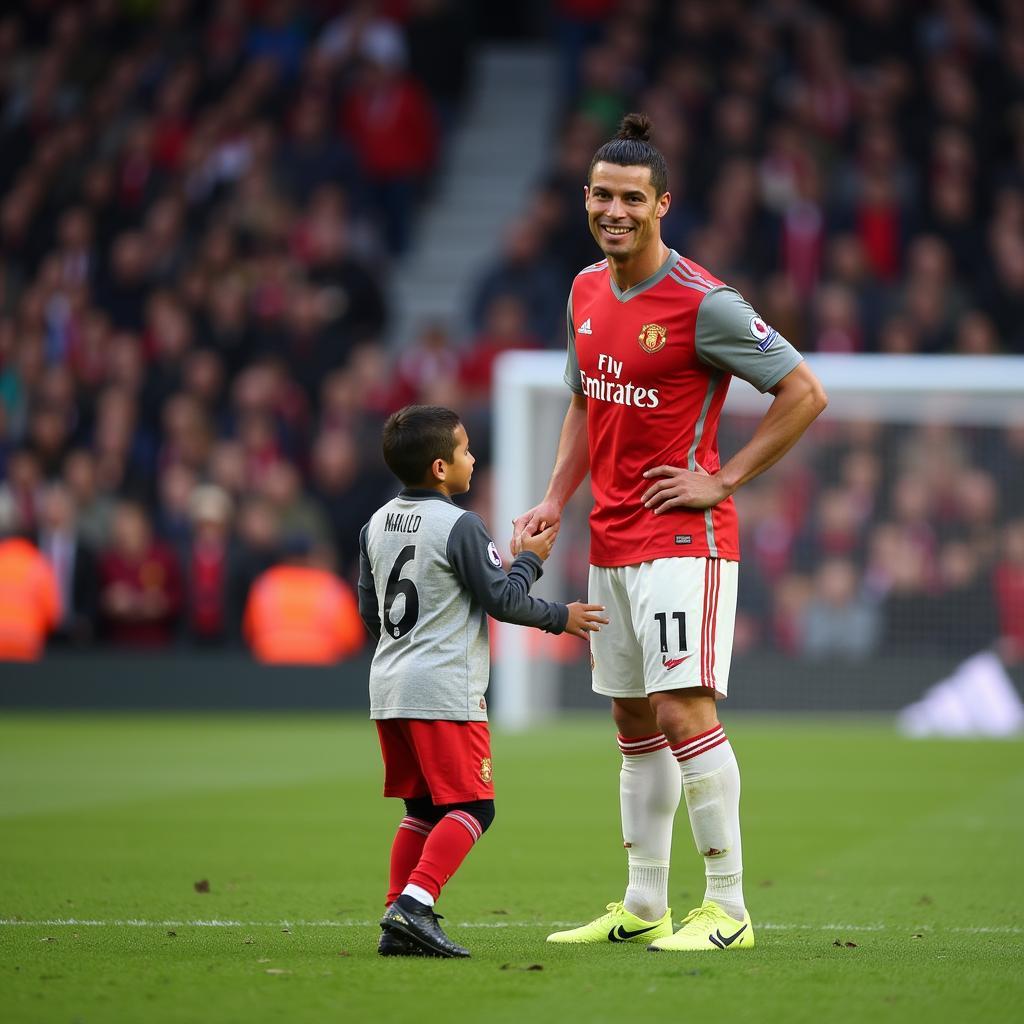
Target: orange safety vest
(29,600)
(296,615)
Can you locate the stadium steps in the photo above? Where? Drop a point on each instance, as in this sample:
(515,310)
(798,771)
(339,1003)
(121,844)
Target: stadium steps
(497,153)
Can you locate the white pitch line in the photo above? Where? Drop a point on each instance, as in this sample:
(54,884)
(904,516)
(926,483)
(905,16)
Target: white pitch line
(73,922)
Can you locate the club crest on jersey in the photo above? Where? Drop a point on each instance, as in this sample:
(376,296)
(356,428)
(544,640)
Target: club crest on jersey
(486,774)
(653,338)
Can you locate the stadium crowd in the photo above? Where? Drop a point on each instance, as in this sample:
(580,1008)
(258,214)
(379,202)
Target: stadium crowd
(201,206)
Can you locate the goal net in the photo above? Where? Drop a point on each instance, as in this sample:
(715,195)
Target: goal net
(883,550)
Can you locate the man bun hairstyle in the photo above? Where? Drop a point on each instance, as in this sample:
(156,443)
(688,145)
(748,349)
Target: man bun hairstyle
(635,126)
(414,437)
(631,147)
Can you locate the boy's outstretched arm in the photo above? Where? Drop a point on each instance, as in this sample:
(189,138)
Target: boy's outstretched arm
(369,611)
(505,596)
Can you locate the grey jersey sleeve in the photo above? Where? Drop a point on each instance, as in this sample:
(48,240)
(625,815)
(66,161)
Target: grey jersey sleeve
(732,337)
(572,363)
(369,612)
(505,596)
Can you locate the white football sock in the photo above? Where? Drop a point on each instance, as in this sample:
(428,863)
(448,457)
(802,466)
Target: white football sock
(418,893)
(711,786)
(649,791)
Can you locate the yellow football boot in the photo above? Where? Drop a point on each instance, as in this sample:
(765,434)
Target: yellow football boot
(707,927)
(618,925)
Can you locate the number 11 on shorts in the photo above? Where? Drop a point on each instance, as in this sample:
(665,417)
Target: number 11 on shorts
(662,620)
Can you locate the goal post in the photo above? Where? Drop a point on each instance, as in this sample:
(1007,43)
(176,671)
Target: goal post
(530,401)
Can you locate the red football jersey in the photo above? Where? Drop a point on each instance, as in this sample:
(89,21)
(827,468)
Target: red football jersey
(655,363)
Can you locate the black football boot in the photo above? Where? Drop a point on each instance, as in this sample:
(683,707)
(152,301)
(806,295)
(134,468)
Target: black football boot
(417,923)
(396,944)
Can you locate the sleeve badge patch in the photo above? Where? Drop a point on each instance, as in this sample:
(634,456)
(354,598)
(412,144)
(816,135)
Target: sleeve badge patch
(763,334)
(492,554)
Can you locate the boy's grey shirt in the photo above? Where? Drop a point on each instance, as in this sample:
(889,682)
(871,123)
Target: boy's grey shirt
(429,575)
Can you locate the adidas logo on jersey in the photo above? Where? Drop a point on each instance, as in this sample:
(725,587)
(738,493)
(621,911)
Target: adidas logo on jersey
(585,327)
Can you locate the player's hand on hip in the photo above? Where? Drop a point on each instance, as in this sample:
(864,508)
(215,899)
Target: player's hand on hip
(672,487)
(540,517)
(585,619)
(539,543)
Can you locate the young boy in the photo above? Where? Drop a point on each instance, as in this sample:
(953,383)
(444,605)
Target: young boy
(429,575)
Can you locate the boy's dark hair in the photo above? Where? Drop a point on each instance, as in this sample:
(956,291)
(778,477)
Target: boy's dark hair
(631,147)
(415,436)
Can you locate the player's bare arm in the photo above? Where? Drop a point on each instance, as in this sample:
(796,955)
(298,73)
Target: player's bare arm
(571,465)
(799,400)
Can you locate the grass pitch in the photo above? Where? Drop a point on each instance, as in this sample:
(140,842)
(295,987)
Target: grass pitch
(883,878)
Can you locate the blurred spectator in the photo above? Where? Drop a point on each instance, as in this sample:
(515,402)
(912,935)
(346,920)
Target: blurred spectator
(225,318)
(792,595)
(962,616)
(901,574)
(122,293)
(834,530)
(73,563)
(976,335)
(603,87)
(202,378)
(839,620)
(340,308)
(123,446)
(914,517)
(1009,585)
(377,390)
(177,484)
(1005,456)
(838,326)
(429,367)
(94,509)
(362,33)
(210,568)
(771,534)
(438,36)
(166,340)
(278,37)
(389,120)
(22,490)
(847,266)
(258,536)
(348,491)
(140,583)
(505,327)
(977,514)
(296,512)
(301,614)
(313,155)
(29,600)
(523,272)
(1006,288)
(860,475)
(931,298)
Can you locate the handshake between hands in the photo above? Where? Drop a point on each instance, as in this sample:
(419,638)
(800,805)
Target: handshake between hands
(535,531)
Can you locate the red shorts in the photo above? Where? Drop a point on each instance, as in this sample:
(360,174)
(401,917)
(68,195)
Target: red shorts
(448,761)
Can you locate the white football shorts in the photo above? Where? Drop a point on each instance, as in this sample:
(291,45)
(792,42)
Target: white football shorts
(670,627)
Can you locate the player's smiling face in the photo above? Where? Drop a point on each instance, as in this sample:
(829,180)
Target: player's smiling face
(622,209)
